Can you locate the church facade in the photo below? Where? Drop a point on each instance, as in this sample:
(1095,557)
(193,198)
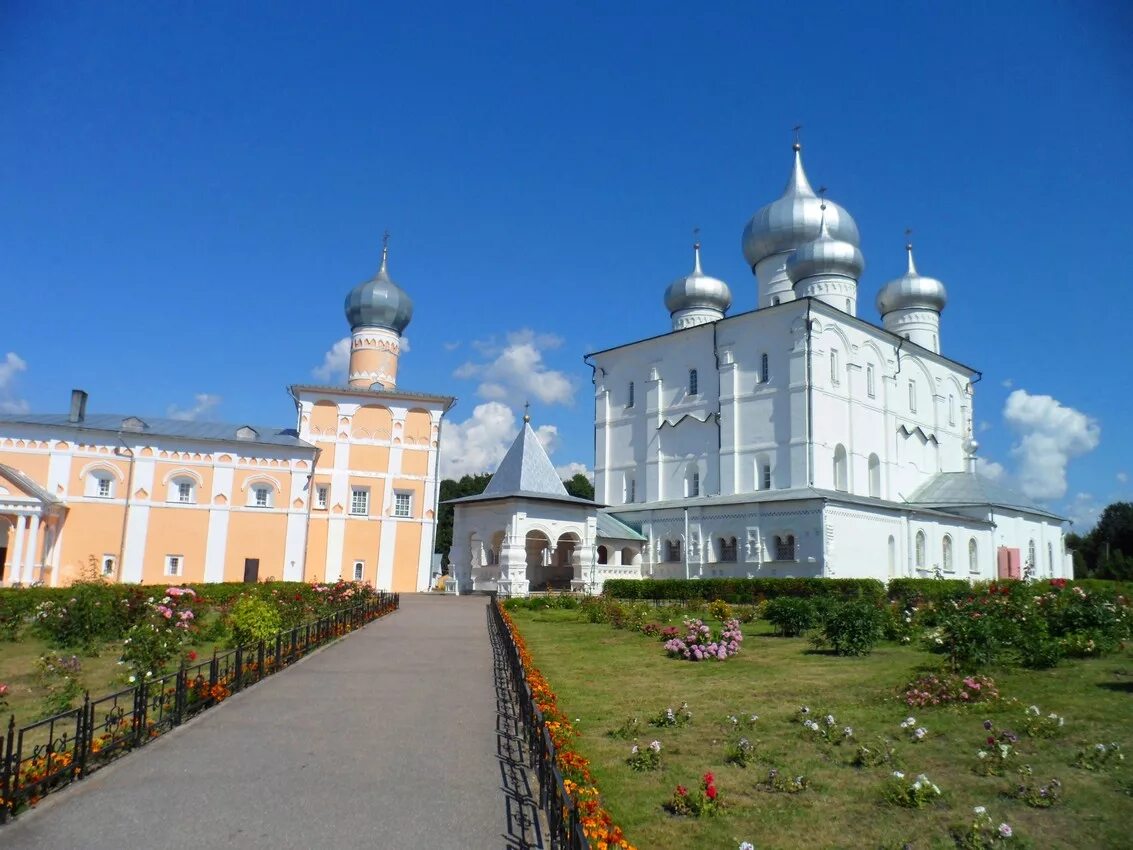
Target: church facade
(348,491)
(799,439)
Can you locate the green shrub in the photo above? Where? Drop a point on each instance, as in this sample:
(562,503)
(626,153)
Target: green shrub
(743,591)
(720,610)
(853,628)
(791,617)
(253,619)
(87,614)
(910,592)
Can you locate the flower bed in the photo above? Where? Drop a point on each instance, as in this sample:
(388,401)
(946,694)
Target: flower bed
(597,823)
(700,644)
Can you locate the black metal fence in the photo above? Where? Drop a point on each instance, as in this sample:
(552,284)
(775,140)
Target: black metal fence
(46,755)
(565,828)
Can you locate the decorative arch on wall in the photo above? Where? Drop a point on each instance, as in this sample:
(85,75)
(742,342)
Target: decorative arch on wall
(324,417)
(182,472)
(372,422)
(841,469)
(260,478)
(101,466)
(418,428)
(874,465)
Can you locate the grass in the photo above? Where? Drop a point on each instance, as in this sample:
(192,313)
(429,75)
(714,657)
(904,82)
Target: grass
(602,676)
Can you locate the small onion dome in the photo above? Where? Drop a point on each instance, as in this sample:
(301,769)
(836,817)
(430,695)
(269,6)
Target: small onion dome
(826,255)
(794,220)
(379,302)
(697,290)
(912,291)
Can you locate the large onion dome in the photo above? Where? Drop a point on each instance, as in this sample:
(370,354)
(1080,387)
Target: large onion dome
(825,256)
(794,219)
(912,291)
(379,302)
(698,291)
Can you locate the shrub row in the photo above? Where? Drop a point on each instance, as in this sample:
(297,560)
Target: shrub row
(745,591)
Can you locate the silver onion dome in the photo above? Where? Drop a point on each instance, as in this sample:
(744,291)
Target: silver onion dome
(379,302)
(912,291)
(825,255)
(794,219)
(697,290)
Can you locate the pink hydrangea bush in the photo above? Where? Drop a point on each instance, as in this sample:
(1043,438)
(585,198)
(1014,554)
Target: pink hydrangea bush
(700,644)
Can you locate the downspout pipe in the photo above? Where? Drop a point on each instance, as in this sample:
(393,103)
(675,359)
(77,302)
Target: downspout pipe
(809,403)
(718,414)
(129,452)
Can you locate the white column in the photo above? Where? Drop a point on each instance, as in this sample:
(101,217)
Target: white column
(17,559)
(32,553)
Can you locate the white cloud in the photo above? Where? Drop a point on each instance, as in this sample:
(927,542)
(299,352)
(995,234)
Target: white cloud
(1123,478)
(451,345)
(478,443)
(515,370)
(335,363)
(549,437)
(202,404)
(984,426)
(991,470)
(1007,382)
(10,367)
(569,470)
(1084,511)
(403,345)
(1050,436)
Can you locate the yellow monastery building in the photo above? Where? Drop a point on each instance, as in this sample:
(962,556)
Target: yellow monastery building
(349,492)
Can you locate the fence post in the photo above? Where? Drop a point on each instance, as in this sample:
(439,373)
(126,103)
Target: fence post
(260,662)
(214,674)
(86,736)
(139,718)
(238,682)
(8,768)
(179,695)
(278,649)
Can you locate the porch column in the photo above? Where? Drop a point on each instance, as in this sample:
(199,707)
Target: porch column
(17,558)
(32,553)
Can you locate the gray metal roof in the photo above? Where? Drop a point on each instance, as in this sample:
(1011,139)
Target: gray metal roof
(270,435)
(613,528)
(953,489)
(525,472)
(24,483)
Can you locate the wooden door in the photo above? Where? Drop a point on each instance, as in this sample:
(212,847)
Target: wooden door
(251,569)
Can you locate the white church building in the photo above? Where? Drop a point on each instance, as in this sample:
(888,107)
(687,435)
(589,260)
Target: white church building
(796,439)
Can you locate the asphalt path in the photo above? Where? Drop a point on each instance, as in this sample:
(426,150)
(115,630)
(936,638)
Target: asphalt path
(387,739)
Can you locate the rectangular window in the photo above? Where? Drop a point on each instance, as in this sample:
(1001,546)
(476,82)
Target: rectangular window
(174,564)
(912,396)
(403,504)
(629,395)
(767,476)
(184,492)
(693,383)
(631,490)
(104,488)
(951,410)
(694,484)
(834,366)
(262,497)
(359,570)
(785,548)
(108,565)
(359,501)
(728,549)
(869,388)
(764,370)
(321,495)
(672,551)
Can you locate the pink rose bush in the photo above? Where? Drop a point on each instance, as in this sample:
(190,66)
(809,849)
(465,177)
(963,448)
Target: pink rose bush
(700,644)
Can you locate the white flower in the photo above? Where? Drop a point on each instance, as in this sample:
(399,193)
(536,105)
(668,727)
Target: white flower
(754,718)
(848,732)
(1034,709)
(655,746)
(746,845)
(908,722)
(920,732)
(133,679)
(898,774)
(829,720)
(980,810)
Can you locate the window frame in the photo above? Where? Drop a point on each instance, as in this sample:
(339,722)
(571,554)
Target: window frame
(870,378)
(912,395)
(729,550)
(920,549)
(674,551)
(179,569)
(111,559)
(355,492)
(256,491)
(693,382)
(359,570)
(630,397)
(786,548)
(694,484)
(835,376)
(973,555)
(322,496)
(946,554)
(398,496)
(765,476)
(764,369)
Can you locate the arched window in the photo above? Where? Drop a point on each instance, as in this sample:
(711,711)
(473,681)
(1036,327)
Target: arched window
(870,389)
(692,484)
(1050,560)
(727,549)
(973,556)
(912,396)
(920,550)
(629,395)
(951,409)
(182,490)
(261,494)
(672,551)
(775,301)
(835,378)
(693,384)
(765,476)
(101,484)
(875,476)
(946,551)
(891,549)
(1031,555)
(764,369)
(840,471)
(785,548)
(603,555)
(630,490)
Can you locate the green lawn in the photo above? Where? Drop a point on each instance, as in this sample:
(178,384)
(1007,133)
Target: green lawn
(602,676)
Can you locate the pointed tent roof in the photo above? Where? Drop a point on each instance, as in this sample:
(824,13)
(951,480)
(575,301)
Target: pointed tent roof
(526,471)
(955,489)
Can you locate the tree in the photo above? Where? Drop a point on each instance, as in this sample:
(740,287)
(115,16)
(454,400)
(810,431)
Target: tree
(1099,553)
(580,487)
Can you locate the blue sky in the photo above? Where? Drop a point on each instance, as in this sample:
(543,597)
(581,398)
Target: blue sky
(191,189)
